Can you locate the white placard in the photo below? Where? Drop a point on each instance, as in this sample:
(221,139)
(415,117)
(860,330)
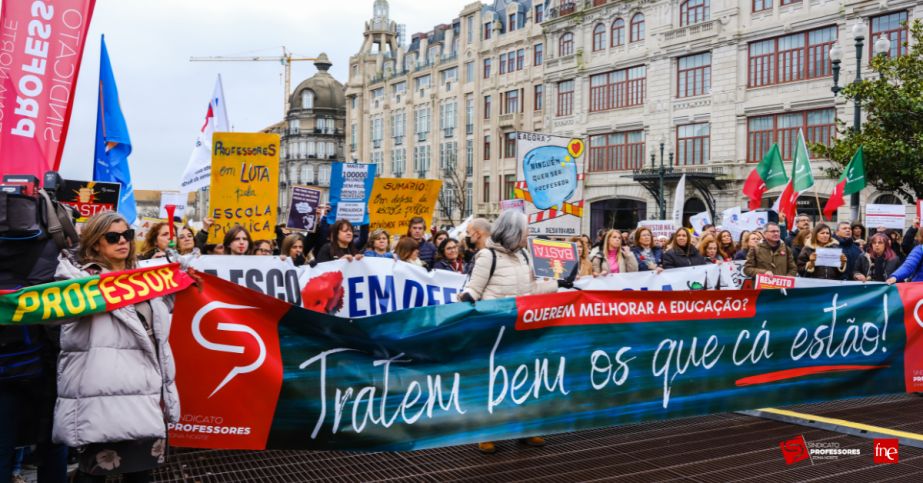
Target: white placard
(730,221)
(659,227)
(828,257)
(888,216)
(178,199)
(752,220)
(351,211)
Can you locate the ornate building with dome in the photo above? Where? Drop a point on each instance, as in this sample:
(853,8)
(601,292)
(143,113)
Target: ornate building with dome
(313,134)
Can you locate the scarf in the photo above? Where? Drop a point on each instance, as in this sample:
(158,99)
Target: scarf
(878,268)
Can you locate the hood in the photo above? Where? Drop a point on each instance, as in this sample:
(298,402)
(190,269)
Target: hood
(808,243)
(860,225)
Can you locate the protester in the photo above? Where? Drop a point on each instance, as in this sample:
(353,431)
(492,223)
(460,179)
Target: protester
(341,244)
(213,249)
(238,242)
(624,236)
(646,251)
(439,237)
(744,239)
(661,242)
(476,236)
(293,247)
(802,223)
(99,409)
(599,238)
(879,262)
(583,249)
(586,239)
(315,242)
(683,253)
(448,257)
(186,239)
(710,250)
(896,241)
(771,256)
(379,245)
(709,230)
(803,237)
(504,270)
(201,238)
(910,238)
(262,248)
(614,256)
(408,250)
(156,242)
(726,242)
(427,250)
(913,266)
(858,232)
(850,248)
(807,266)
(281,233)
(753,239)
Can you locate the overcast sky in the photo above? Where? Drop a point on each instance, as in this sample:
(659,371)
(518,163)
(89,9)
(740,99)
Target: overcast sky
(164,96)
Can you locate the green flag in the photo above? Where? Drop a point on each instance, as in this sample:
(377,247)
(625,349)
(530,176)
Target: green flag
(802,176)
(854,174)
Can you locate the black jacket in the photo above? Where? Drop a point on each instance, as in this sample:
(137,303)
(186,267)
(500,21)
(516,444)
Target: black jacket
(910,240)
(313,242)
(852,252)
(673,258)
(791,237)
(742,254)
(865,267)
(444,264)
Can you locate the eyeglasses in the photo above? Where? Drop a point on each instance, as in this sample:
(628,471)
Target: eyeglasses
(112,237)
(451,248)
(265,251)
(773,231)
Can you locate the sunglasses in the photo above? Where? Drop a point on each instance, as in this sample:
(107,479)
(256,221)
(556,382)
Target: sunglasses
(112,237)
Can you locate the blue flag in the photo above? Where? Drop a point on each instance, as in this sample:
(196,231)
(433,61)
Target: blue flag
(112,142)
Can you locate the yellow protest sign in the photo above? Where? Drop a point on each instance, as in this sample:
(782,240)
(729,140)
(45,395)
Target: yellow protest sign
(394,202)
(245,185)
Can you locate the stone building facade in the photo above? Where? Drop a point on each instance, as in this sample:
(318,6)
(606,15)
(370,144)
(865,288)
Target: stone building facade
(716,80)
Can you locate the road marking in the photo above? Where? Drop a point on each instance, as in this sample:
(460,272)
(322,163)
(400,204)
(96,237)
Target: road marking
(842,422)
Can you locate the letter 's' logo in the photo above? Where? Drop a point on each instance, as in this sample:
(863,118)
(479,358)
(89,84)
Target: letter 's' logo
(800,168)
(197,333)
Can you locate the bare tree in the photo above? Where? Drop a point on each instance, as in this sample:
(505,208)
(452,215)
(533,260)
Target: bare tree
(453,197)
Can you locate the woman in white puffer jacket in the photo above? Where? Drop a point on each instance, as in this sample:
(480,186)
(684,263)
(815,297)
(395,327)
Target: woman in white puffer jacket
(512,277)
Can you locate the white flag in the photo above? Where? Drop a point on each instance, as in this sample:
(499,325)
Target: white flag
(679,202)
(198,172)
(699,221)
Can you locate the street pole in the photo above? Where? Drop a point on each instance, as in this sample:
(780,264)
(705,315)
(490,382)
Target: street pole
(857,115)
(663,207)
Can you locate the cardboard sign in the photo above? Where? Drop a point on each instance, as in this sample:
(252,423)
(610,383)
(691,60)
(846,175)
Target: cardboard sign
(394,202)
(888,216)
(549,178)
(762,281)
(553,259)
(828,257)
(176,199)
(90,197)
(513,205)
(302,208)
(659,227)
(245,185)
(350,187)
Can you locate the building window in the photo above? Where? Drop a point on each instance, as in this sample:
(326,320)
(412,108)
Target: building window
(597,3)
(449,74)
(469,157)
(469,199)
(565,98)
(433,53)
(423,81)
(694,75)
(568,7)
(599,38)
(790,58)
(469,114)
(398,88)
(323,175)
(511,65)
(486,107)
(509,145)
(890,26)
(512,102)
(307,100)
(471,29)
(539,13)
(486,148)
(618,32)
(502,64)
(760,5)
(692,144)
(789,2)
(469,72)
(538,55)
(637,28)
(520,58)
(617,151)
(617,89)
(486,189)
(486,68)
(509,186)
(487,30)
(538,97)
(694,11)
(818,126)
(512,22)
(567,45)
(354,102)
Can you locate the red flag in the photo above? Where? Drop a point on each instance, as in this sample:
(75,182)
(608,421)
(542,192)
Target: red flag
(787,204)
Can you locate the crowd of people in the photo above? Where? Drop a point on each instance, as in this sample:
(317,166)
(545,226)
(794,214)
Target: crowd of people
(114,391)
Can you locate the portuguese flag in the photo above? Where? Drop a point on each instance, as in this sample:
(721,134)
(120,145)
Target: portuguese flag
(769,174)
(852,181)
(67,299)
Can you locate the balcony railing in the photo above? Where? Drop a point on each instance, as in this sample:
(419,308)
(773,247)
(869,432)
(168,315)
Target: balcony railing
(449,132)
(450,58)
(436,38)
(421,136)
(377,79)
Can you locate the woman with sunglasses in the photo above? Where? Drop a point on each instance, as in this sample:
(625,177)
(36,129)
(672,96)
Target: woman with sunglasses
(156,242)
(116,373)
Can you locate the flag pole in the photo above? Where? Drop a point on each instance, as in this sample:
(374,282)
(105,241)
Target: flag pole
(820,210)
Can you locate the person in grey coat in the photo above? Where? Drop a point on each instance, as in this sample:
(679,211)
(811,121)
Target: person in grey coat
(116,369)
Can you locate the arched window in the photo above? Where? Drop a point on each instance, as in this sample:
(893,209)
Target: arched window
(567,45)
(637,28)
(888,200)
(618,32)
(307,100)
(307,174)
(694,11)
(599,38)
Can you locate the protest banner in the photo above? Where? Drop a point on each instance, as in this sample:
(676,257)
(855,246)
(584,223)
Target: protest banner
(828,257)
(90,197)
(687,278)
(42,48)
(733,277)
(549,178)
(698,222)
(553,259)
(244,187)
(659,228)
(514,205)
(888,216)
(396,201)
(350,188)
(302,208)
(752,220)
(176,199)
(526,366)
(67,299)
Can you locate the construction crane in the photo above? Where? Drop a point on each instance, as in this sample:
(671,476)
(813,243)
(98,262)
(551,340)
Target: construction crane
(286,59)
